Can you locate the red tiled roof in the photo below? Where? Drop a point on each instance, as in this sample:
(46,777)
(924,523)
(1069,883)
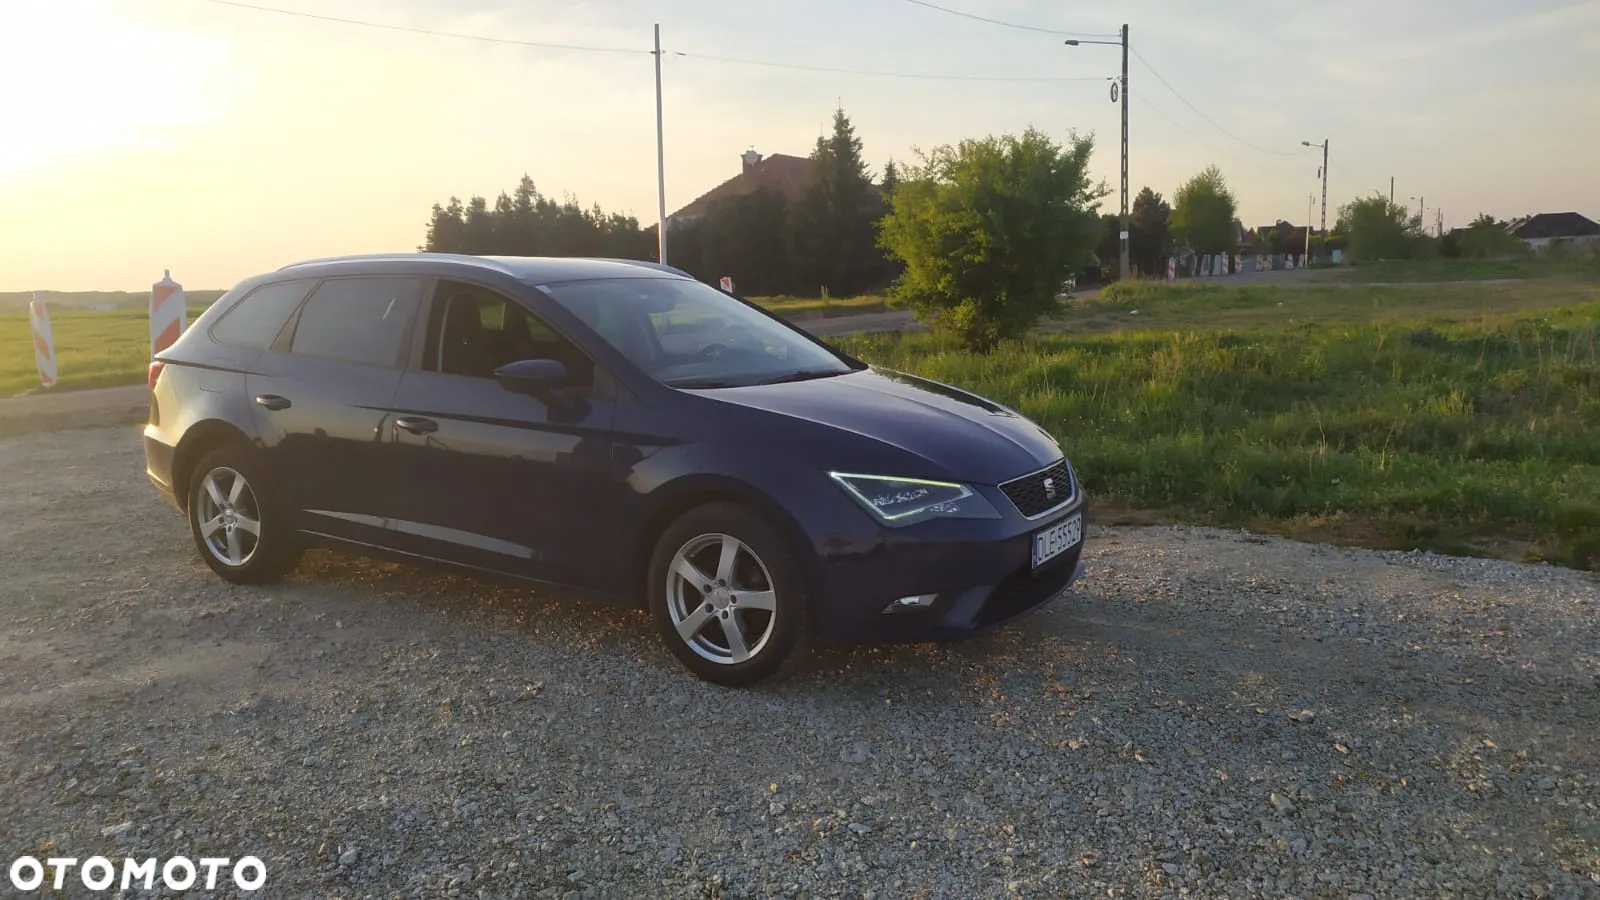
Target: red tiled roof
(787,175)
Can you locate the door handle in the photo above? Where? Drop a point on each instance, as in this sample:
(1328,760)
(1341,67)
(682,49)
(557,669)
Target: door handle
(272,401)
(416,424)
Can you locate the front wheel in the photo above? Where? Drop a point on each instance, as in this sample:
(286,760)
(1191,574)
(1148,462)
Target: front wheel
(234,522)
(728,597)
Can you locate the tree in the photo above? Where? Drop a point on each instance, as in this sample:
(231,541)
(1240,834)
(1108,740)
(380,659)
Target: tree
(447,229)
(743,237)
(1108,247)
(1149,225)
(833,222)
(989,230)
(1486,238)
(1203,211)
(891,181)
(479,232)
(525,223)
(1378,228)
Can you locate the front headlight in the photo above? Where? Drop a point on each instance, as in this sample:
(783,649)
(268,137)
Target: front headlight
(902,501)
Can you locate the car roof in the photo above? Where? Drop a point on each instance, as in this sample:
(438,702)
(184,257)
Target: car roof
(529,269)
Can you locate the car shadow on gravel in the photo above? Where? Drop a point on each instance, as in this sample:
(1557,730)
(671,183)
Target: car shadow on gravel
(564,619)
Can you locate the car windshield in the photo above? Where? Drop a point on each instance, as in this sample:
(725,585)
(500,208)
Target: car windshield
(689,335)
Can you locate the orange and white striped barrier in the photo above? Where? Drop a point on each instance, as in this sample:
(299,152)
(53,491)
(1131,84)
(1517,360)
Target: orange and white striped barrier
(168,313)
(44,344)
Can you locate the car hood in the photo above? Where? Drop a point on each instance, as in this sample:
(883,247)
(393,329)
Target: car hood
(972,438)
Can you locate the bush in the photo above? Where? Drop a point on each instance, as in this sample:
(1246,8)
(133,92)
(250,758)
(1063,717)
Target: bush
(989,231)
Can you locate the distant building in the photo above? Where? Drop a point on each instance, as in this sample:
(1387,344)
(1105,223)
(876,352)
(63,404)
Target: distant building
(788,176)
(1544,229)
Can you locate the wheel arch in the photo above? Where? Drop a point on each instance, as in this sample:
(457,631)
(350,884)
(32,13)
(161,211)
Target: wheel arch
(200,439)
(693,491)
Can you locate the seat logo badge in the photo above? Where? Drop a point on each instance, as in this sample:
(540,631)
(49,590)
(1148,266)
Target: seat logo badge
(1050,488)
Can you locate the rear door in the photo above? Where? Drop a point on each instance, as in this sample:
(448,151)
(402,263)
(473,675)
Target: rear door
(321,397)
(501,480)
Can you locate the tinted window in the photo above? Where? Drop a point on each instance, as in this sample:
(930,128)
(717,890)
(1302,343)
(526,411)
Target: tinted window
(364,320)
(687,334)
(475,331)
(257,319)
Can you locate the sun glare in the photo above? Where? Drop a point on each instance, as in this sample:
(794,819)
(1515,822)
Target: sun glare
(86,80)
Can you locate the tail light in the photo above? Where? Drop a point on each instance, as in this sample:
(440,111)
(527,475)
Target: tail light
(155,372)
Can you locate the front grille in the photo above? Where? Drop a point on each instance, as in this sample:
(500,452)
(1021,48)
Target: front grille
(1028,493)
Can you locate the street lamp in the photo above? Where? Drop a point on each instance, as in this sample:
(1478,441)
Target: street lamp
(1324,174)
(1123,99)
(1420,207)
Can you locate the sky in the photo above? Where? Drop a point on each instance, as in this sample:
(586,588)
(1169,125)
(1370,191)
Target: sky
(219,141)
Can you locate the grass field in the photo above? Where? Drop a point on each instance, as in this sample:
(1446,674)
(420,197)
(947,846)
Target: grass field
(109,348)
(1456,418)
(93,349)
(1579,264)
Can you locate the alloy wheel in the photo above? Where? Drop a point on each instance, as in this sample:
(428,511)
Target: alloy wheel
(720,598)
(228,516)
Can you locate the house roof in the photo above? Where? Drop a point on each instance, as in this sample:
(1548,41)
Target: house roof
(1553,225)
(787,175)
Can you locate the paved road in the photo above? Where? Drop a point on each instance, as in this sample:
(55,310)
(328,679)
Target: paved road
(74,409)
(868,323)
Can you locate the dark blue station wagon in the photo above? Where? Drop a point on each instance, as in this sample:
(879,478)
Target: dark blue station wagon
(613,427)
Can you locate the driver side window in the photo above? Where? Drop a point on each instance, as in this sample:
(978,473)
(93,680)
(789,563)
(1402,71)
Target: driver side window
(472,331)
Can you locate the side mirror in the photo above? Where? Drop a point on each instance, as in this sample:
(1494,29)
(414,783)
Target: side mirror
(532,376)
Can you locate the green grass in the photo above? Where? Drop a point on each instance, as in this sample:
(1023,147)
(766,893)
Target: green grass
(1211,306)
(826,307)
(1456,427)
(93,349)
(1577,264)
(110,348)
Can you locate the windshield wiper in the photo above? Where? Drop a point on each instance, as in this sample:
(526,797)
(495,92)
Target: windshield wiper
(802,375)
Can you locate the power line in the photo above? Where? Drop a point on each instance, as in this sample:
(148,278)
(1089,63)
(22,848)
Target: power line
(1202,115)
(428,31)
(928,76)
(977,18)
(1144,103)
(917,75)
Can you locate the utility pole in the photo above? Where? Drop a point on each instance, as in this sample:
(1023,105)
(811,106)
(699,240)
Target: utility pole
(1311,203)
(1391,190)
(1324,173)
(661,163)
(1120,96)
(1125,241)
(1325,198)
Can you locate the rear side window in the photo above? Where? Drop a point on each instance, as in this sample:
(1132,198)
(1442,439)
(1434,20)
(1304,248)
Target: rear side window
(256,320)
(363,320)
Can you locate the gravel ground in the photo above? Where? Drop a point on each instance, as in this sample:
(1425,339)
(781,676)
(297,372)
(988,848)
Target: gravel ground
(1208,714)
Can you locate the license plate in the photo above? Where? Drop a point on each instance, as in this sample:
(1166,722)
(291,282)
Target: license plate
(1057,539)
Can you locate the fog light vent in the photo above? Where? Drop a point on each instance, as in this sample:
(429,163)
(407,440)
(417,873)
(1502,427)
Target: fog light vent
(911,604)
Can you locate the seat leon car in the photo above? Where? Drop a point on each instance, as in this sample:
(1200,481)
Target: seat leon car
(612,427)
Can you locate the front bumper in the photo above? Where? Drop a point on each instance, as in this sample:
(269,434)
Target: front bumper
(981,573)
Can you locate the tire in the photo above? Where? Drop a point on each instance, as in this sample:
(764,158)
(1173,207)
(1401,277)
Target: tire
(228,496)
(774,625)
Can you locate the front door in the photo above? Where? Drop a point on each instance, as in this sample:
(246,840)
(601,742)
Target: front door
(498,480)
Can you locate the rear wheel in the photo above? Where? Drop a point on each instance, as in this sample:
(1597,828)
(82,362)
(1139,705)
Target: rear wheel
(728,597)
(234,523)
